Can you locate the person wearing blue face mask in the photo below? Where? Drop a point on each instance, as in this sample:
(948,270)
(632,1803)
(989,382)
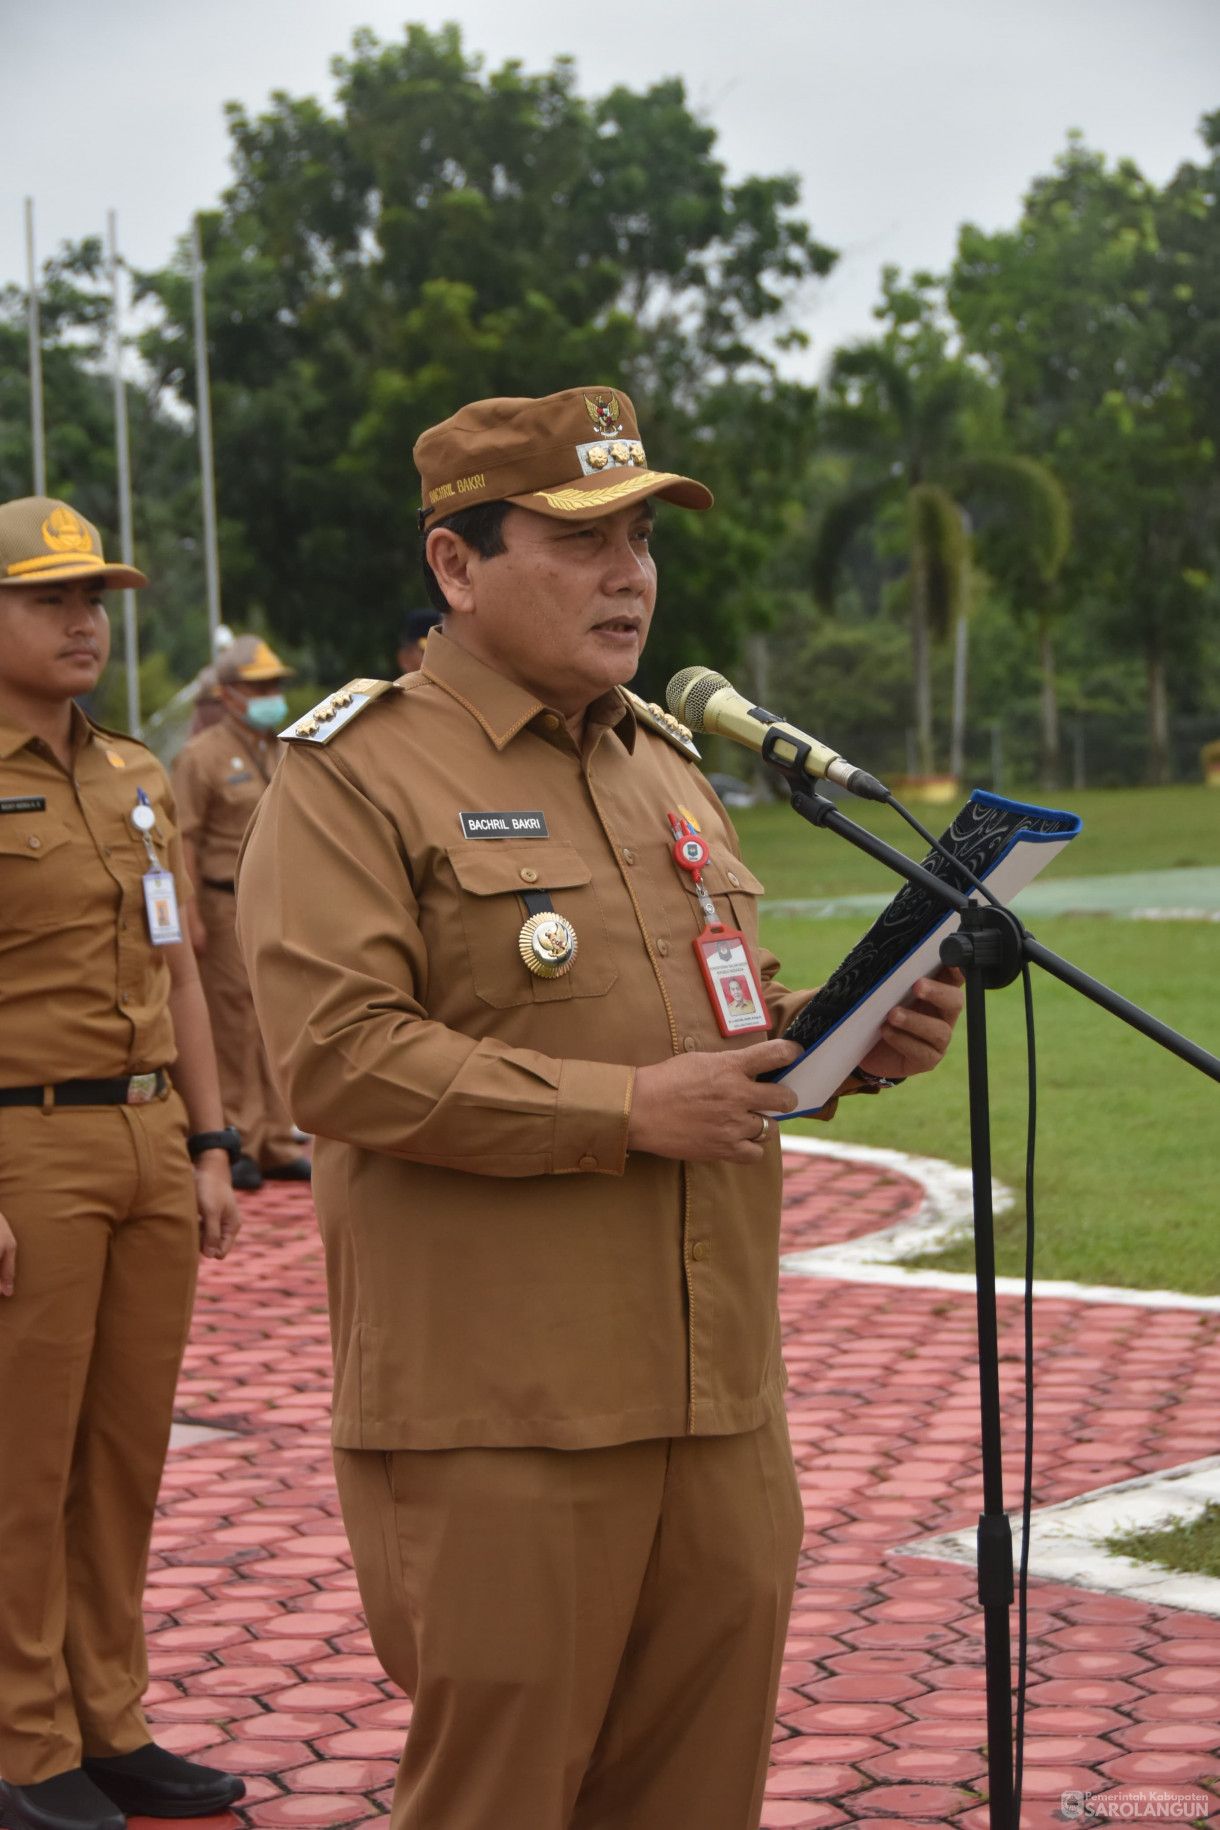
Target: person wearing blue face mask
(219,777)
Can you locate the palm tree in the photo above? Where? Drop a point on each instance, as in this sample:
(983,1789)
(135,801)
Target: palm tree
(912,417)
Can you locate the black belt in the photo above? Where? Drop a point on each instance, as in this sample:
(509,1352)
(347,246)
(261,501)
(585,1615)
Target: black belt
(131,1090)
(213,884)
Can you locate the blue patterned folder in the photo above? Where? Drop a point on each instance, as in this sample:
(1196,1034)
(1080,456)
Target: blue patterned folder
(1005,844)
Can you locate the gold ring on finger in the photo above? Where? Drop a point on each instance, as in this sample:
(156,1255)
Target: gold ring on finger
(760,1137)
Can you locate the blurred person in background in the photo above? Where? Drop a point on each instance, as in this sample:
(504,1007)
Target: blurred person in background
(414,639)
(220,776)
(114,1171)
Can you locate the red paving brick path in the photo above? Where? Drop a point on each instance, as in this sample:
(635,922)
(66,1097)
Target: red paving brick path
(261,1663)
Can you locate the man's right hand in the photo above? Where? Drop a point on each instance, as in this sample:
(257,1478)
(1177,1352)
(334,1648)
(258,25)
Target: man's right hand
(8,1258)
(709,1108)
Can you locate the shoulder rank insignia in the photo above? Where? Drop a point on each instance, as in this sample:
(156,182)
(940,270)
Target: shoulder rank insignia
(662,722)
(321,723)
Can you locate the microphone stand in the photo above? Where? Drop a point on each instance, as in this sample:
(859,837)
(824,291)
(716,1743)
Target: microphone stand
(989,947)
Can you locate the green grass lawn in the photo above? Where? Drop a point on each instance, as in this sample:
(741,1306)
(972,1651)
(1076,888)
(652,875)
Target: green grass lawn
(1129,1137)
(1194,1547)
(1125,829)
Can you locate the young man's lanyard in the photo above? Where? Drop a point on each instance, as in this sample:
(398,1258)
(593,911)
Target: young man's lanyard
(160,892)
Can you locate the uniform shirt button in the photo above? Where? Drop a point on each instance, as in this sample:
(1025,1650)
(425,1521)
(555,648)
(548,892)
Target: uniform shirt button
(124,999)
(551,722)
(106,850)
(527,875)
(735,881)
(34,842)
(699,1249)
(689,1044)
(588,1162)
(628,855)
(663,948)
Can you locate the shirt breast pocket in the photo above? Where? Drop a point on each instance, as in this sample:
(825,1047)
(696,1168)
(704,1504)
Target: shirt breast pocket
(492,875)
(42,879)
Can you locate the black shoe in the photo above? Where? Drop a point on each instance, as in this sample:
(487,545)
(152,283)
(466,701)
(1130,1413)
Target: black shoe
(247,1176)
(299,1170)
(69,1801)
(152,1782)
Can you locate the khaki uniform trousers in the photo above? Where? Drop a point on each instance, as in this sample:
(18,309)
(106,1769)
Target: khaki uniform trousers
(592,1638)
(102,1201)
(247,1090)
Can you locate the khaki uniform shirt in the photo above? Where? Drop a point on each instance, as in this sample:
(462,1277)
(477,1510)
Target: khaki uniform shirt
(501,1270)
(219,778)
(83,991)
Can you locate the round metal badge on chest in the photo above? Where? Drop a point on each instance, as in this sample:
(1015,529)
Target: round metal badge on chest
(548,944)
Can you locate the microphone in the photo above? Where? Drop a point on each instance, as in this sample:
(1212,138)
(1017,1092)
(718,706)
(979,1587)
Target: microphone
(706,701)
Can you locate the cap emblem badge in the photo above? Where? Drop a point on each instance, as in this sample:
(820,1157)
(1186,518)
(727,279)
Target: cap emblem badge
(65,532)
(605,414)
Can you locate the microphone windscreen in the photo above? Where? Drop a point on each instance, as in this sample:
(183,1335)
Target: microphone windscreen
(690,691)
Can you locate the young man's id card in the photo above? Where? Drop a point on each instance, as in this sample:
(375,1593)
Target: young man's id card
(727,970)
(161,901)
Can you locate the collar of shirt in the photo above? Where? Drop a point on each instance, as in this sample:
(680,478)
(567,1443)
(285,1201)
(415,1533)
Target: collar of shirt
(502,707)
(15,736)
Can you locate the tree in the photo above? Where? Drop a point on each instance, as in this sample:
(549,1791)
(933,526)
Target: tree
(1082,314)
(918,423)
(446,234)
(78,398)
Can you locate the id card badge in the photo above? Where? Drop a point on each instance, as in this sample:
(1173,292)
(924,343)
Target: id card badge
(724,960)
(161,902)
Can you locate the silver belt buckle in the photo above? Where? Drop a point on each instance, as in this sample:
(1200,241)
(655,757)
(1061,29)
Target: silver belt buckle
(141,1089)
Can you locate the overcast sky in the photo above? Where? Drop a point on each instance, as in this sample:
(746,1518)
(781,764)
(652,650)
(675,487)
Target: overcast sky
(902,117)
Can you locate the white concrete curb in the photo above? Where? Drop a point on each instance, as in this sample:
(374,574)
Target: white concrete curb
(1067,1541)
(943,1219)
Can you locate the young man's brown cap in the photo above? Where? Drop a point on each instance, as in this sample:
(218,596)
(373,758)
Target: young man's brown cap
(248,659)
(574,454)
(44,541)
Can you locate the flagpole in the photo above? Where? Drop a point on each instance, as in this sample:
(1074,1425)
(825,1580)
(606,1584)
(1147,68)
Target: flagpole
(123,464)
(34,331)
(203,419)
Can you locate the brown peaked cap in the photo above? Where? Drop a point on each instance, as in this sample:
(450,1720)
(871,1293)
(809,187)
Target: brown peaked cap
(44,541)
(572,454)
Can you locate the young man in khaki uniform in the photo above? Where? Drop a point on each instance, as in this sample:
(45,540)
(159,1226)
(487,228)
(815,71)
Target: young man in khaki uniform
(548,1183)
(220,776)
(108,1095)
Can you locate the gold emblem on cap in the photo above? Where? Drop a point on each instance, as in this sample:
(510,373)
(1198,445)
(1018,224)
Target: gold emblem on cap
(637,453)
(599,457)
(606,414)
(548,944)
(65,532)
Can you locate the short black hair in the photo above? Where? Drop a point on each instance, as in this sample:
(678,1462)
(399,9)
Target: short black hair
(417,625)
(480,526)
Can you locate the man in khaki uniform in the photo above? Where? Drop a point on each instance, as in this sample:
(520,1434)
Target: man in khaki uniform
(548,1184)
(220,776)
(108,1094)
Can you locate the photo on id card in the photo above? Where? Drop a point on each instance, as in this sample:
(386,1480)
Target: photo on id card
(731,981)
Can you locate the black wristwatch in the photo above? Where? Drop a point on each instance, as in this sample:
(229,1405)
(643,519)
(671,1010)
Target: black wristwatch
(226,1140)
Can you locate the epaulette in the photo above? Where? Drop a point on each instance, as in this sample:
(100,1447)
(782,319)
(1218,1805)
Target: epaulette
(662,722)
(330,715)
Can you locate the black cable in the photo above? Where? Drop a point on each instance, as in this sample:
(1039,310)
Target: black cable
(918,825)
(1027,1491)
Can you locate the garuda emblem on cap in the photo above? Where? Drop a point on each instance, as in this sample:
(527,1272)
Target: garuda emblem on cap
(605,413)
(65,532)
